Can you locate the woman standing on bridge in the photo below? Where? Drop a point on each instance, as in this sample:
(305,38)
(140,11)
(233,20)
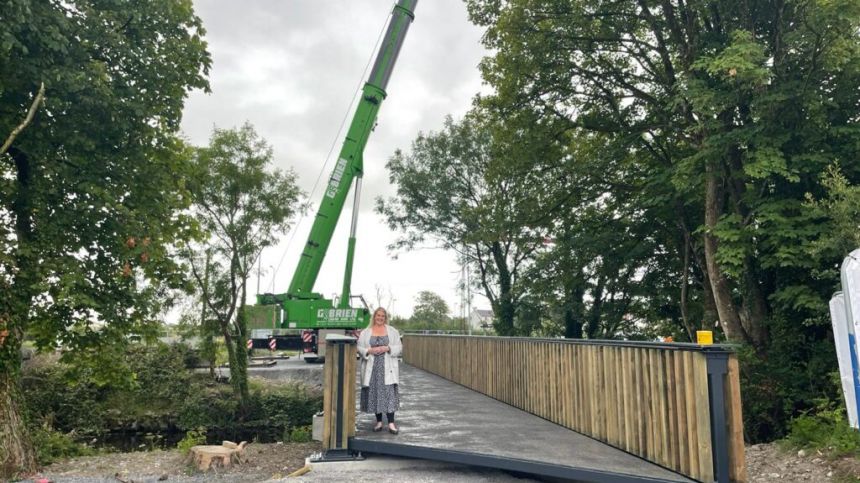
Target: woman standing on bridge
(379,346)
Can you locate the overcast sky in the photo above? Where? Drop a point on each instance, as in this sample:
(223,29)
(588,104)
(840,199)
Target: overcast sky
(291,68)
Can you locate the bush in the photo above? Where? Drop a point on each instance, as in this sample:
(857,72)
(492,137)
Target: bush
(55,401)
(300,435)
(209,407)
(787,381)
(66,399)
(65,402)
(826,429)
(193,437)
(52,445)
(273,411)
(287,406)
(160,371)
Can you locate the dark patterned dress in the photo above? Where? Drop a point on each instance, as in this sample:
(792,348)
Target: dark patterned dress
(379,398)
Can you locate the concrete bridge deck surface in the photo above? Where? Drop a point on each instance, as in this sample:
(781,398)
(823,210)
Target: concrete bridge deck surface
(444,421)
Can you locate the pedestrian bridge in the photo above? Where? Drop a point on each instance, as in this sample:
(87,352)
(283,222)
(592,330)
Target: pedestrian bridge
(599,411)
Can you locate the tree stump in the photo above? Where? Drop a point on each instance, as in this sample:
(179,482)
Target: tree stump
(224,456)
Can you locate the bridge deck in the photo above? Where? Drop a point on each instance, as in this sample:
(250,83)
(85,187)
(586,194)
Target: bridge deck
(444,421)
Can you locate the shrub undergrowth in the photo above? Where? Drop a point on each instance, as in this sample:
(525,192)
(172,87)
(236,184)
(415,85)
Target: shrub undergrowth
(66,407)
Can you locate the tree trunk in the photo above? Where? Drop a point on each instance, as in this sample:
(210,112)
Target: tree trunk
(573,314)
(17,454)
(506,309)
(238,359)
(729,319)
(710,318)
(16,448)
(239,379)
(207,331)
(754,311)
(685,286)
(594,316)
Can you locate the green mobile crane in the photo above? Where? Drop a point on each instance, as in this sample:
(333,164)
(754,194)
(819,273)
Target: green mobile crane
(300,307)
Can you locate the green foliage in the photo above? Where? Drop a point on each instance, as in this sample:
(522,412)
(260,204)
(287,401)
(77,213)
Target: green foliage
(277,408)
(160,370)
(793,378)
(430,309)
(52,445)
(826,428)
(92,193)
(272,409)
(68,406)
(663,113)
(413,323)
(208,407)
(70,399)
(301,434)
(193,437)
(840,205)
(56,400)
(92,190)
(455,190)
(242,205)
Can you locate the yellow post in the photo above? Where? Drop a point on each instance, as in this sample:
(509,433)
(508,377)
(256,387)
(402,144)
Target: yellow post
(704,337)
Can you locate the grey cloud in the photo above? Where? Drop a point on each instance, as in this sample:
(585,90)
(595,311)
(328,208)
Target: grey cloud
(291,69)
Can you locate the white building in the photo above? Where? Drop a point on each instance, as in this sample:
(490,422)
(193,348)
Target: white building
(481,319)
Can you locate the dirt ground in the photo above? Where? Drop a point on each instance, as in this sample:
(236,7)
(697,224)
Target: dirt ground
(266,462)
(765,462)
(769,462)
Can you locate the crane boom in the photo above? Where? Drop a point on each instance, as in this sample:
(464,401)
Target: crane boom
(302,308)
(349,163)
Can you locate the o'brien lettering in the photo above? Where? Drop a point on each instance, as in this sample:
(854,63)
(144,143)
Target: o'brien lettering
(335,178)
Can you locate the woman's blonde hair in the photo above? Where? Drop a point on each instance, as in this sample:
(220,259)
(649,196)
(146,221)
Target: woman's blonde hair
(373,316)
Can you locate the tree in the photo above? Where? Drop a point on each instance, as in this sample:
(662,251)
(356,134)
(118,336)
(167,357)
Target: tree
(430,309)
(729,112)
(90,190)
(242,204)
(455,189)
(734,106)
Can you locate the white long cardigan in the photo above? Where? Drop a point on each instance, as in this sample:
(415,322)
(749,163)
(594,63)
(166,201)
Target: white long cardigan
(392,368)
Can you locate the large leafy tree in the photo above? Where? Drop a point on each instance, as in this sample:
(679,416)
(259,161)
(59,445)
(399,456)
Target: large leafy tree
(242,205)
(430,309)
(735,106)
(454,189)
(729,112)
(91,189)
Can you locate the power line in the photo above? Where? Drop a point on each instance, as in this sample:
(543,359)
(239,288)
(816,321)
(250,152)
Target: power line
(331,148)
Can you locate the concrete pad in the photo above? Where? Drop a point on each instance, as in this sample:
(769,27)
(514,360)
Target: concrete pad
(378,468)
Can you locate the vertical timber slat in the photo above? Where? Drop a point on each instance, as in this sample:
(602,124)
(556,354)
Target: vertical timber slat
(651,401)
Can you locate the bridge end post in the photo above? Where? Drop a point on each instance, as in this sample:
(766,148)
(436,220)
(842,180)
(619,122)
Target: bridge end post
(726,420)
(338,400)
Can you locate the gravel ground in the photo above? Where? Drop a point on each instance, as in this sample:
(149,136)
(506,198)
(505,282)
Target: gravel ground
(768,462)
(267,462)
(765,462)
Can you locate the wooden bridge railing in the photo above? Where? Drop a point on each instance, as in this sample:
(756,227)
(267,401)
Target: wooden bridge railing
(677,405)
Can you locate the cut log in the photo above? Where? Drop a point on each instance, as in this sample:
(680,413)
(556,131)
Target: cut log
(224,456)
